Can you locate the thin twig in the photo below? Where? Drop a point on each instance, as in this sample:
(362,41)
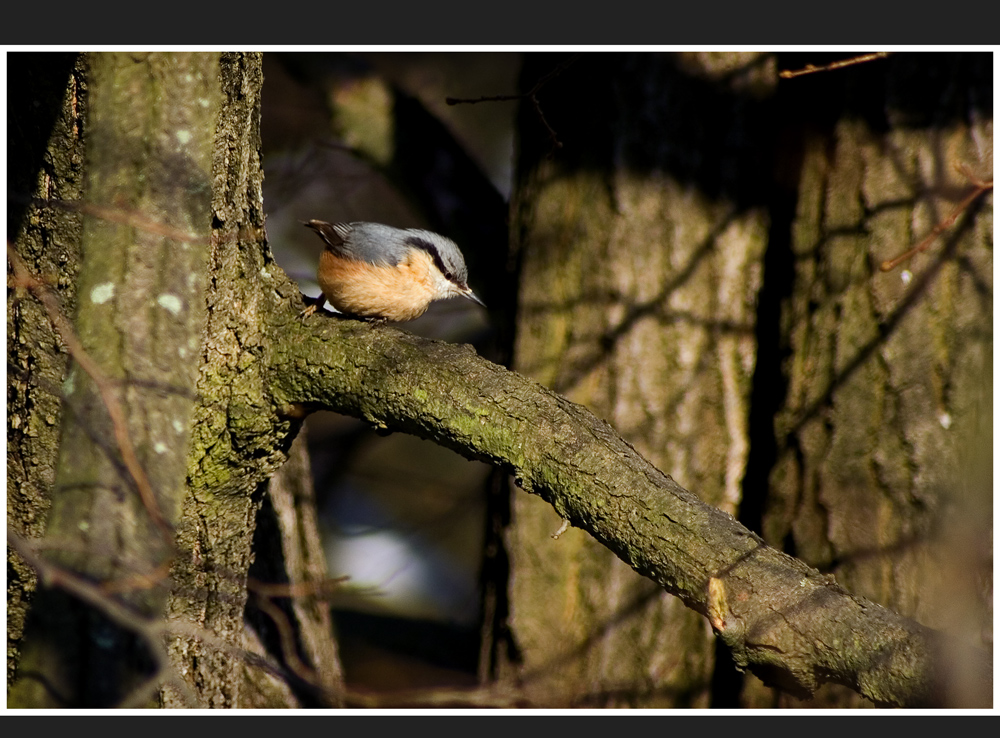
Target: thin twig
(210,639)
(152,631)
(531,95)
(981,186)
(811,69)
(319,589)
(287,638)
(140,221)
(112,214)
(138,581)
(104,386)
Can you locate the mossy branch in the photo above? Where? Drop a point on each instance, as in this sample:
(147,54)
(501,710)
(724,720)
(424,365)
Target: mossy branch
(785,621)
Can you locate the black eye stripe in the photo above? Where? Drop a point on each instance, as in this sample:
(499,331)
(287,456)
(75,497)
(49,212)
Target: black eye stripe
(424,245)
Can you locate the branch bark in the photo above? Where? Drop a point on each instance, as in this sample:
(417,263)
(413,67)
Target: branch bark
(791,625)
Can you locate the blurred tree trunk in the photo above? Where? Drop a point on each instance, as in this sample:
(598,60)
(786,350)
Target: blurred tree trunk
(883,470)
(649,186)
(145,232)
(641,241)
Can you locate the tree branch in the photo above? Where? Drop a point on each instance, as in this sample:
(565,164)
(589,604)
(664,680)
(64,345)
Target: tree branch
(793,626)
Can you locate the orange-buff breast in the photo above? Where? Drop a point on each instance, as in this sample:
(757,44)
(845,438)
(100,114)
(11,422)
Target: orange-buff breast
(397,293)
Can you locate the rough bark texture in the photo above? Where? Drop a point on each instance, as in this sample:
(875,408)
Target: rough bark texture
(175,275)
(238,439)
(642,251)
(148,149)
(46,97)
(882,476)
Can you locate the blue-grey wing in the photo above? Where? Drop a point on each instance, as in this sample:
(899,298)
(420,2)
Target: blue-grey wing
(374,243)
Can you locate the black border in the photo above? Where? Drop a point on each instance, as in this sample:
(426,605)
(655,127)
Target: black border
(513,23)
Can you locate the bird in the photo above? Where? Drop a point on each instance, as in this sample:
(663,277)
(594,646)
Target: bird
(381,273)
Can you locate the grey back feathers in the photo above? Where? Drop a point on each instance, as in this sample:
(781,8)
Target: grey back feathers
(377,243)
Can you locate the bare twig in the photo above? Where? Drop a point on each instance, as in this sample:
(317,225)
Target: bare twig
(153,631)
(112,214)
(321,590)
(263,594)
(531,95)
(139,220)
(138,581)
(289,651)
(811,68)
(981,186)
(106,388)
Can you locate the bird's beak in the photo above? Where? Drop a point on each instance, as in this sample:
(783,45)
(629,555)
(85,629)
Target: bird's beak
(472,296)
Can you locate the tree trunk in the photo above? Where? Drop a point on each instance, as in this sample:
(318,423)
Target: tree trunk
(648,188)
(641,249)
(140,279)
(883,469)
(168,432)
(47,99)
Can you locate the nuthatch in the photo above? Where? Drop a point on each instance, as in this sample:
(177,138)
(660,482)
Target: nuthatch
(375,271)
